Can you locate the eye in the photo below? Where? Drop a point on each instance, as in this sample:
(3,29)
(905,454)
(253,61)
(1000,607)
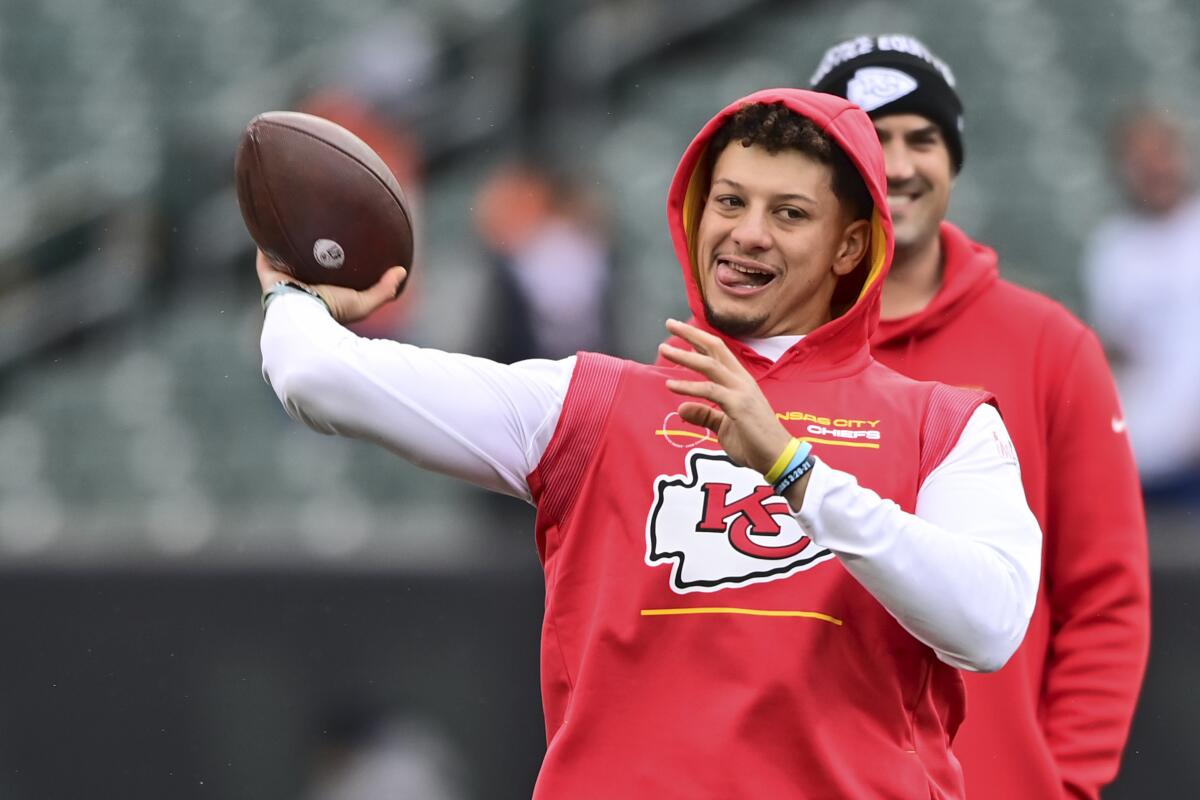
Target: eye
(728,201)
(924,142)
(793,214)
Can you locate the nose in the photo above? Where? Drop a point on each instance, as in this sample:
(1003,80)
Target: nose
(751,234)
(898,163)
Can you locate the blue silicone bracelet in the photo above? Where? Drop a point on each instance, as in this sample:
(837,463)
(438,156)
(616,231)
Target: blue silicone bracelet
(802,452)
(797,468)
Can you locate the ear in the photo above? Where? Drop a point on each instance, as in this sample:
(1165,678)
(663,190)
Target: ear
(853,246)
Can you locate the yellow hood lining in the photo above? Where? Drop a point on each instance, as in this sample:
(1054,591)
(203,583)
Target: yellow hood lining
(693,207)
(878,252)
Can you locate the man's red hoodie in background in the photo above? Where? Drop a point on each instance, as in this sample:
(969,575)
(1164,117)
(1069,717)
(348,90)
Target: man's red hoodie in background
(1053,722)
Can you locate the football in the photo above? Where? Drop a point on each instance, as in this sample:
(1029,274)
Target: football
(320,202)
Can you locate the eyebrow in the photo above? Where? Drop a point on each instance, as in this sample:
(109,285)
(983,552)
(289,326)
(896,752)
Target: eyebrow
(929,130)
(793,196)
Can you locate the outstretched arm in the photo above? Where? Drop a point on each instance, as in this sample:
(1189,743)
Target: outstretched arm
(474,419)
(960,575)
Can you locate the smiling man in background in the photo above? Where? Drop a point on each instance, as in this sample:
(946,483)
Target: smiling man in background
(1054,721)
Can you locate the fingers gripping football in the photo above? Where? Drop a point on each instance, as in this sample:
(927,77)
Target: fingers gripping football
(742,418)
(346,305)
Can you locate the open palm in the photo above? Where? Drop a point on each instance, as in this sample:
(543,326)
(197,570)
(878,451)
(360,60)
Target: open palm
(743,420)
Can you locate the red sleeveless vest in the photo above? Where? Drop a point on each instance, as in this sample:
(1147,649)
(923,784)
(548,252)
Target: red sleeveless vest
(696,643)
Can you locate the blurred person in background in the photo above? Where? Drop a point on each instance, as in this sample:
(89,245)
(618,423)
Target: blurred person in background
(1142,281)
(684,611)
(1054,721)
(551,294)
(548,283)
(365,753)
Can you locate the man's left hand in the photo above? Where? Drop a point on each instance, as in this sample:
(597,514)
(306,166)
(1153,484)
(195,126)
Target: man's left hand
(743,421)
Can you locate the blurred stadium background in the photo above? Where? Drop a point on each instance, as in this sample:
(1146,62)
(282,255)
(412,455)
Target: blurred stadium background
(193,585)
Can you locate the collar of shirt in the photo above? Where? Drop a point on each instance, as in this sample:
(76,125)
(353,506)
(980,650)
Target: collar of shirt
(773,347)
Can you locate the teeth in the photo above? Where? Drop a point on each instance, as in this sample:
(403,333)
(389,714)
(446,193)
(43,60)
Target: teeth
(745,270)
(750,277)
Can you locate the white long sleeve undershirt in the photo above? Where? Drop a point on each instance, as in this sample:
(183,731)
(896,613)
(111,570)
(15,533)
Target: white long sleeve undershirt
(960,575)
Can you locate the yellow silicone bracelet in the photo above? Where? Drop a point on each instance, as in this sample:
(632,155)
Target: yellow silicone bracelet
(781,463)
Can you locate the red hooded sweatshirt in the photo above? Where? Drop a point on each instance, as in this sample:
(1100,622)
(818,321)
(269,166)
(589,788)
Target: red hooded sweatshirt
(696,643)
(1053,722)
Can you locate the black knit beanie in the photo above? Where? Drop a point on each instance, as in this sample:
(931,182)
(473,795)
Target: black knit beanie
(894,74)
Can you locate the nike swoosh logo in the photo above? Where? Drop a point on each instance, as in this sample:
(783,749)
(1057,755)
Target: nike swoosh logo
(1118,424)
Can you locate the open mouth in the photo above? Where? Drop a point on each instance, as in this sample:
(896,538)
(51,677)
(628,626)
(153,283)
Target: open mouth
(900,202)
(901,199)
(742,276)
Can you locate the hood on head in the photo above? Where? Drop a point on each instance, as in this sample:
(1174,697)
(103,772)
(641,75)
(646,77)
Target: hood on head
(851,128)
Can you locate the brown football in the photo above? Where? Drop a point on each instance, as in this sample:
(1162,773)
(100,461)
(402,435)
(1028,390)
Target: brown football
(321,202)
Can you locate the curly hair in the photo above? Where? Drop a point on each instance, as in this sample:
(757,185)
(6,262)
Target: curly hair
(775,128)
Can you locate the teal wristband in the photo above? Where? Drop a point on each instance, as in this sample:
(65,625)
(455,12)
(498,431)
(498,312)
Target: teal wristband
(290,287)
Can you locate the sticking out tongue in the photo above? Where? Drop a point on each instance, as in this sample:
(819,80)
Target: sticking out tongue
(734,275)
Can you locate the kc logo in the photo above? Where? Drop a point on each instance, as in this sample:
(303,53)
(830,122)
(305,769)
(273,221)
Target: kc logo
(754,513)
(719,527)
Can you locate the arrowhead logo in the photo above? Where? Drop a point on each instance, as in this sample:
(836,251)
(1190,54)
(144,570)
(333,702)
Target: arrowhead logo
(682,434)
(875,87)
(1118,425)
(720,526)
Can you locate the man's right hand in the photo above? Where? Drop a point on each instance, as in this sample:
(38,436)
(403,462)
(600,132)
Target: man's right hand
(346,305)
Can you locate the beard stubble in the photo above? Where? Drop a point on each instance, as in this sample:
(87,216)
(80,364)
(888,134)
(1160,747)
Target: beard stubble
(739,327)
